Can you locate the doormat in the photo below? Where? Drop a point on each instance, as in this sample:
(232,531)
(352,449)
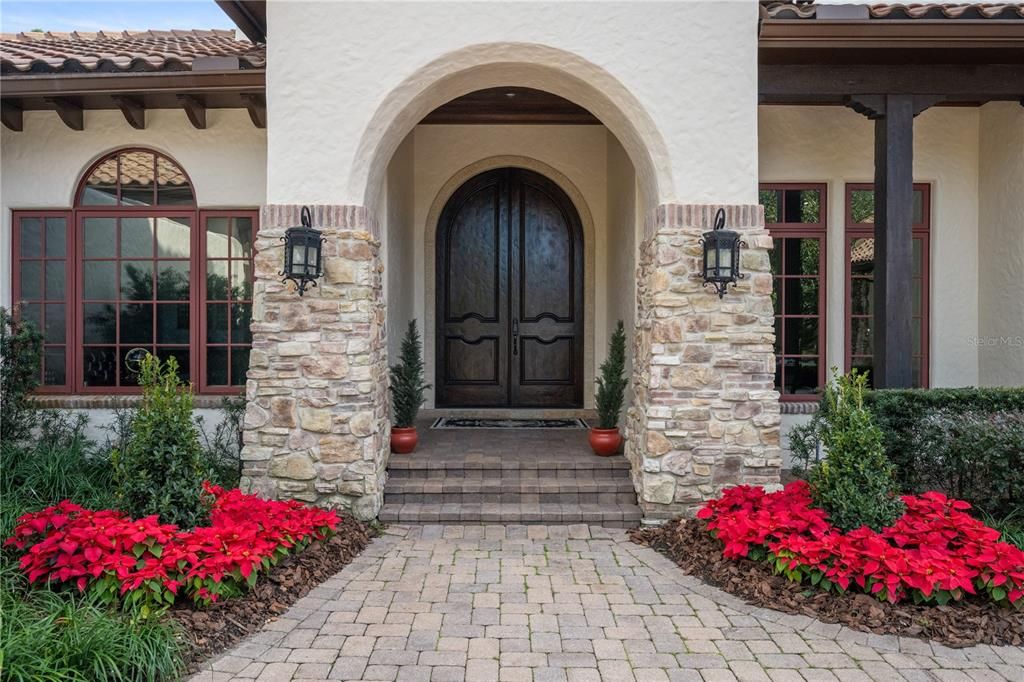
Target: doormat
(468,423)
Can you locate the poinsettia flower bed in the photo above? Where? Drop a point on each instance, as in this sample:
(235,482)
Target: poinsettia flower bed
(935,553)
(149,565)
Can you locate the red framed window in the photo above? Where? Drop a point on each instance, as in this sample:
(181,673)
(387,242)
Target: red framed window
(860,277)
(130,269)
(795,217)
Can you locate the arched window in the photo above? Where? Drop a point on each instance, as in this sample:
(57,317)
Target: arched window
(137,267)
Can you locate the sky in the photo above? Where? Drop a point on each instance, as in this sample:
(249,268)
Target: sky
(93,15)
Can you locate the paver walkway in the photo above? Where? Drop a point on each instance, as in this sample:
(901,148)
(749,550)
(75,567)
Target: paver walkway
(566,603)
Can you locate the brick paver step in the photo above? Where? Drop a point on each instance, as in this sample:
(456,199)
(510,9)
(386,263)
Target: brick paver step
(616,515)
(401,466)
(469,490)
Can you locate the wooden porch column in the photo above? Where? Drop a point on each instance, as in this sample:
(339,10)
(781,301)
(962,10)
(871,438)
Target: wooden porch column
(894,254)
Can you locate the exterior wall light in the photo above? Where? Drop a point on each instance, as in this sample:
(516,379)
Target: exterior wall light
(303,262)
(721,256)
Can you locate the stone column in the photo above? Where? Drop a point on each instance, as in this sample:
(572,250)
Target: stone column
(316,426)
(705,413)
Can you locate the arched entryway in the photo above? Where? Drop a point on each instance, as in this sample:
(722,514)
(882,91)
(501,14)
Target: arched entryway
(509,321)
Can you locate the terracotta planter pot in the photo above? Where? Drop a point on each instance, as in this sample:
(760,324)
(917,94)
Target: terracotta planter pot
(605,442)
(403,441)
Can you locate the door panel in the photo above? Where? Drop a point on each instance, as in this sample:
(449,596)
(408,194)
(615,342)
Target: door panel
(510,291)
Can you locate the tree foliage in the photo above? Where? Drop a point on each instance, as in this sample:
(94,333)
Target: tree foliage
(407,385)
(611,385)
(21,347)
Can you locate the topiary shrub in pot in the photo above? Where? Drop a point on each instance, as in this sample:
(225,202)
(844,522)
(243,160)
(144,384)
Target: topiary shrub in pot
(856,482)
(605,438)
(407,387)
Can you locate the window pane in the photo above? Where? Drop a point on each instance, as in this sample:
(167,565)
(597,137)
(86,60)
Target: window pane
(918,255)
(241,280)
(239,365)
(31,238)
(56,323)
(862,205)
(130,363)
(915,338)
(173,237)
(99,366)
(775,255)
(216,323)
(54,366)
(769,198)
(801,375)
(179,354)
(31,280)
(137,237)
(801,336)
(860,336)
(778,337)
(241,245)
(137,184)
(802,256)
(802,206)
(99,280)
(172,281)
(55,273)
(137,280)
(101,185)
(241,314)
(217,280)
(137,323)
(33,314)
(862,297)
(800,296)
(866,365)
(98,323)
(217,237)
(172,186)
(99,237)
(915,374)
(918,207)
(172,323)
(217,366)
(916,304)
(56,238)
(862,256)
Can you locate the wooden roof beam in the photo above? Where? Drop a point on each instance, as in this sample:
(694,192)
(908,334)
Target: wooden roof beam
(195,109)
(256,103)
(12,115)
(134,110)
(69,111)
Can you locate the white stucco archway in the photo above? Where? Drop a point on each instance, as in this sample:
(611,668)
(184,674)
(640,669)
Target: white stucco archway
(541,67)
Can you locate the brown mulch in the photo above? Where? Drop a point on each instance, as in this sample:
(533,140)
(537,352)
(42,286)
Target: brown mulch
(969,622)
(212,630)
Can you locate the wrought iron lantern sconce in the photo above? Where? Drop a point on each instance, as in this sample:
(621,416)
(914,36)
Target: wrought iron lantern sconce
(721,256)
(303,254)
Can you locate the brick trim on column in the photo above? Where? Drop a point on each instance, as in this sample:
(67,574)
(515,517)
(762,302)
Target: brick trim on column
(705,413)
(316,425)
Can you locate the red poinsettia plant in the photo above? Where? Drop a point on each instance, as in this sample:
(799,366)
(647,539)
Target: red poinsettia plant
(936,552)
(148,564)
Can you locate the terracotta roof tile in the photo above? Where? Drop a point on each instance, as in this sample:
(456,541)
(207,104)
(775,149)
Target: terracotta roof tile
(806,9)
(102,51)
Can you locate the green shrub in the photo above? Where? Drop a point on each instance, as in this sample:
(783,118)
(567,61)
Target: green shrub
(159,470)
(855,483)
(407,385)
(21,348)
(971,455)
(63,637)
(901,412)
(611,385)
(60,464)
(222,461)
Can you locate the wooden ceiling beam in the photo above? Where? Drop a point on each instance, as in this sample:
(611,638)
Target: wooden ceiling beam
(69,111)
(12,115)
(134,110)
(195,109)
(256,103)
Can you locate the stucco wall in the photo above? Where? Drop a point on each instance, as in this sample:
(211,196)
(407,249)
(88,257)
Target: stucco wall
(40,166)
(835,146)
(398,246)
(658,85)
(1001,245)
(622,245)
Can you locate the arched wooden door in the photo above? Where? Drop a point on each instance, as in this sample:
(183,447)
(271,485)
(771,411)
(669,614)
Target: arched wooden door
(509,294)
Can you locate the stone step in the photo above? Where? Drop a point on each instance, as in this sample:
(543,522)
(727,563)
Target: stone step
(585,490)
(405,467)
(611,515)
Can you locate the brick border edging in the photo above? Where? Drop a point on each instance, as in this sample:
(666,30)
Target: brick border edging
(115,402)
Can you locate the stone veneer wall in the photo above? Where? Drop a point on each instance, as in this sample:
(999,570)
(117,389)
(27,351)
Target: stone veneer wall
(705,413)
(316,426)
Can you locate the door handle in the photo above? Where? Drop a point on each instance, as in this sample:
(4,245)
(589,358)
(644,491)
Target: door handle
(515,337)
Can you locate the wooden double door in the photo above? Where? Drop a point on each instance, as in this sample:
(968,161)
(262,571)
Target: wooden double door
(509,304)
